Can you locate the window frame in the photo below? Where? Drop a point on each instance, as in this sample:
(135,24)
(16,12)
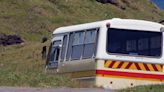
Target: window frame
(69,57)
(62,59)
(119,54)
(68,41)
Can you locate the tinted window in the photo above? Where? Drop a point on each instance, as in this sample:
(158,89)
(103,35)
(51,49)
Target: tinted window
(133,42)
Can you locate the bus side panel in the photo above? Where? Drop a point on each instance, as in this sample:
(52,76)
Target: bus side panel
(78,66)
(114,74)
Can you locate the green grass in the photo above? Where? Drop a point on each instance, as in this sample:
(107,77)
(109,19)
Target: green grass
(21,65)
(24,17)
(151,88)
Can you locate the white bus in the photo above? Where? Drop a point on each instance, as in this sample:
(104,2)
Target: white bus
(116,53)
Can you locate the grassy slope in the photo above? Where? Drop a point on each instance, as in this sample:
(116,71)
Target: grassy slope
(22,66)
(32,19)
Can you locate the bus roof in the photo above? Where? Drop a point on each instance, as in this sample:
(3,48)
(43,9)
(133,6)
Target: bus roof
(114,23)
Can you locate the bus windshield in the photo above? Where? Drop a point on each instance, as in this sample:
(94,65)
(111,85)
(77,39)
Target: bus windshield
(134,42)
(54,50)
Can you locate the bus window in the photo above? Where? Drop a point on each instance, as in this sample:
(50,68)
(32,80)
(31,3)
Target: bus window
(81,44)
(54,51)
(133,42)
(63,52)
(155,45)
(143,46)
(57,52)
(69,50)
(131,45)
(89,43)
(77,46)
(53,55)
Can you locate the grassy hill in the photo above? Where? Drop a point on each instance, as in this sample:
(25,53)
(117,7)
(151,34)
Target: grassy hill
(21,65)
(34,18)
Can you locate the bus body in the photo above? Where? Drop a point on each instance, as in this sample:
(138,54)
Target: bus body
(116,53)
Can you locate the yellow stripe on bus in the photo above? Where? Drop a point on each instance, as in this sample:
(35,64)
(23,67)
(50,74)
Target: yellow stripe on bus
(116,64)
(124,65)
(142,66)
(158,67)
(150,67)
(107,63)
(133,66)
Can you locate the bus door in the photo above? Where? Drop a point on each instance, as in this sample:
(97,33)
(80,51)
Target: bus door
(54,54)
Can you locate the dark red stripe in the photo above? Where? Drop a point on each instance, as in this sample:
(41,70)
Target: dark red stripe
(131,74)
(119,66)
(154,67)
(111,65)
(106,62)
(127,67)
(146,67)
(138,67)
(161,66)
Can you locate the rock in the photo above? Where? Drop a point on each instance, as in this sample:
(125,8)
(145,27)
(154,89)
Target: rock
(44,39)
(162,21)
(10,39)
(122,4)
(108,1)
(117,3)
